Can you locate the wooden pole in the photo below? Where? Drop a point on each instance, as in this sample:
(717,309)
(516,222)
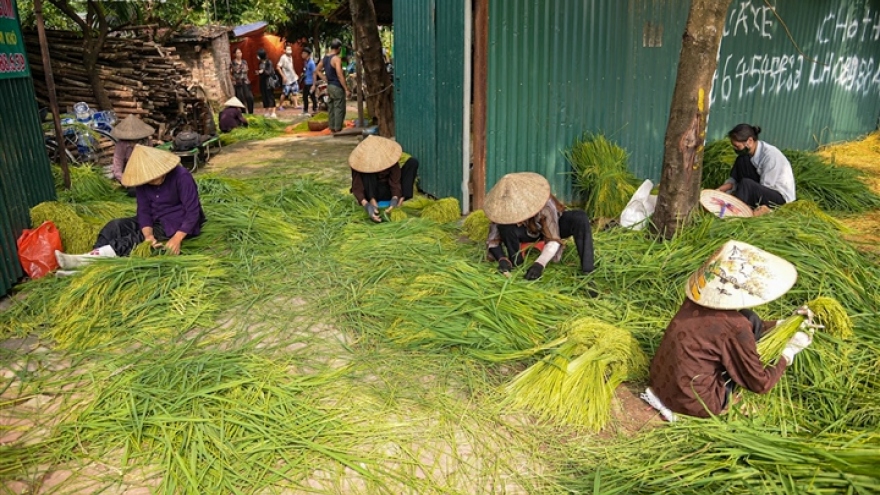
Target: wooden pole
(358,80)
(481,68)
(50,86)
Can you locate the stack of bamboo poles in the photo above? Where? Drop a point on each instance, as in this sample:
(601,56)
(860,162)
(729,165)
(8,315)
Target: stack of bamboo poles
(141,77)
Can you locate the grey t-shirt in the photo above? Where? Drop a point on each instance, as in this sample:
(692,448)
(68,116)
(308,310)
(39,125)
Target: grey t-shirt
(286,65)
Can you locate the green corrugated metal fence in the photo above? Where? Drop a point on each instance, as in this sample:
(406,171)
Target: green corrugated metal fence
(428,90)
(25,176)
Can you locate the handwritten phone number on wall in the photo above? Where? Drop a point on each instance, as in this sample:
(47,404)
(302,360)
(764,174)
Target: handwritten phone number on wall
(12,63)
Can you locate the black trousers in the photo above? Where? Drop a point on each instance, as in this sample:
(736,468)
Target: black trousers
(572,223)
(244,93)
(381,191)
(748,185)
(307,93)
(267,93)
(123,235)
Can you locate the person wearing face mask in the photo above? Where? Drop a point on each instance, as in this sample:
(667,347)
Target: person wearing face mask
(168,210)
(289,79)
(761,176)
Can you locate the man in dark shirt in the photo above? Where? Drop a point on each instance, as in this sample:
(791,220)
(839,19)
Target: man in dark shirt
(711,344)
(330,69)
(231,116)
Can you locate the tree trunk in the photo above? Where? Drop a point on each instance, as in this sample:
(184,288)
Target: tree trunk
(688,116)
(380,96)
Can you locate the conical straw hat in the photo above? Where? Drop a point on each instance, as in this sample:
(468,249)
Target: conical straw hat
(740,276)
(147,163)
(516,197)
(132,129)
(724,205)
(374,154)
(234,102)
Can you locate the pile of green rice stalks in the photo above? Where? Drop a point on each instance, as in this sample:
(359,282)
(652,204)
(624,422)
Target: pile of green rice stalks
(471,309)
(258,128)
(443,210)
(828,313)
(718,456)
(87,183)
(77,236)
(139,298)
(476,226)
(574,382)
(211,422)
(833,187)
(601,174)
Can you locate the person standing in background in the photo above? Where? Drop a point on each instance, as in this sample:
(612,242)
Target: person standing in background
(241,81)
(308,78)
(267,90)
(289,79)
(330,69)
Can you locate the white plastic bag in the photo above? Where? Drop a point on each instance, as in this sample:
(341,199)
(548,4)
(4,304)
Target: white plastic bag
(639,208)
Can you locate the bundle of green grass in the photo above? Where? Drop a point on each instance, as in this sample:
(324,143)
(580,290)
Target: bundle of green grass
(443,210)
(574,382)
(833,187)
(87,183)
(476,226)
(258,128)
(600,170)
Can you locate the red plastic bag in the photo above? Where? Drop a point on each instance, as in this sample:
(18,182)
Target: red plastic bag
(36,249)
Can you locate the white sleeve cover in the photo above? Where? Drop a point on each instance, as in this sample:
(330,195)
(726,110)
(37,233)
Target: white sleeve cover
(548,253)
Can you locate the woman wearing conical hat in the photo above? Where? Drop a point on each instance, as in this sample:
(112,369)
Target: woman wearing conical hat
(231,116)
(168,209)
(380,172)
(130,132)
(521,209)
(710,346)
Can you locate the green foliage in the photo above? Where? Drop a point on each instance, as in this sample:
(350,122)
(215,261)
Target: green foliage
(601,174)
(258,128)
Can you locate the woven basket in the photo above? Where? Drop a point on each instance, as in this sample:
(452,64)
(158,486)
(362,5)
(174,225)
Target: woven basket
(318,125)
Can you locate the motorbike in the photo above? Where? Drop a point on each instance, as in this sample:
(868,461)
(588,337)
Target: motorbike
(322,96)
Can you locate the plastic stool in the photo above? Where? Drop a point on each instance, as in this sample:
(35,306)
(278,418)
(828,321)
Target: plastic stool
(525,246)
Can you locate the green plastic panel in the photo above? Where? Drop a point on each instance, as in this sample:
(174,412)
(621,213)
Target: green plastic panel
(428,90)
(25,176)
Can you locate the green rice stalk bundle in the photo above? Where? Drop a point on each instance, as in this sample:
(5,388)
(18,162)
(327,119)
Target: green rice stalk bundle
(476,226)
(464,307)
(217,189)
(713,456)
(443,210)
(827,311)
(807,208)
(143,250)
(574,384)
(397,215)
(317,203)
(87,183)
(98,213)
(245,228)
(418,203)
(258,128)
(142,297)
(832,187)
(601,173)
(368,250)
(213,422)
(77,236)
(718,159)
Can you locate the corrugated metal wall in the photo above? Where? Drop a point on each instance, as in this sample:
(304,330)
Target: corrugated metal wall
(428,90)
(558,68)
(821,85)
(25,176)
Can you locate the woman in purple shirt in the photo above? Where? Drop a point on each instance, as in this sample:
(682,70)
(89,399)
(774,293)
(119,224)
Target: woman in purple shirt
(168,209)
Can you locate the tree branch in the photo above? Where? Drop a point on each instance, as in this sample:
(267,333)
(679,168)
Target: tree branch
(66,9)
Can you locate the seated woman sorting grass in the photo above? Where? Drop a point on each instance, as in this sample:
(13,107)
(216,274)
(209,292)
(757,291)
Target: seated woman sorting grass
(381,172)
(761,176)
(168,209)
(231,116)
(710,346)
(521,209)
(129,133)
